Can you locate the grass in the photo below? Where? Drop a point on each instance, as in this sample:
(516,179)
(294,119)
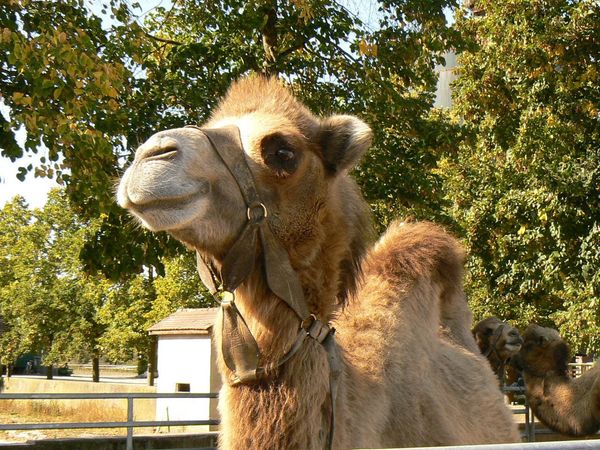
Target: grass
(44,411)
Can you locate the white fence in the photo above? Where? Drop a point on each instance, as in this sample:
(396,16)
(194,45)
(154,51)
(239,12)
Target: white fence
(578,369)
(130,424)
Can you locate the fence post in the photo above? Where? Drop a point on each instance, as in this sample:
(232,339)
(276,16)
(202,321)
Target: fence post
(130,423)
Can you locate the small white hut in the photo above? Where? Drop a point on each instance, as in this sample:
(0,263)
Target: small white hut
(186,363)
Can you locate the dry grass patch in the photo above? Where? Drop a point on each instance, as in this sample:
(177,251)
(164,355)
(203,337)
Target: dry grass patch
(51,411)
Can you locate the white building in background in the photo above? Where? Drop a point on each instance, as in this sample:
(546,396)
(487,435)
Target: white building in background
(186,362)
(446,75)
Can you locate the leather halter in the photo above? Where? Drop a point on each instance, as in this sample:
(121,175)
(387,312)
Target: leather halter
(240,350)
(497,334)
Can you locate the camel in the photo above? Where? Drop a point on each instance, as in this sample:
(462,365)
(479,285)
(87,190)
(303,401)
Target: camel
(406,372)
(498,341)
(566,405)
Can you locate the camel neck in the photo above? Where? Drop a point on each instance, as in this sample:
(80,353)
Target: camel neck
(273,323)
(276,404)
(563,404)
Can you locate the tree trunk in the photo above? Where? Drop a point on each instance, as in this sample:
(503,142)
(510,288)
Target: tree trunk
(49,375)
(152,360)
(9,370)
(270,39)
(151,363)
(95,369)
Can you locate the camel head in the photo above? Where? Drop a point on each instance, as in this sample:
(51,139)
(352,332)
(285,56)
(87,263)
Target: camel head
(497,339)
(178,183)
(543,352)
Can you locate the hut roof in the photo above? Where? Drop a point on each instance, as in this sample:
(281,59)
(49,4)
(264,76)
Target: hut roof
(186,321)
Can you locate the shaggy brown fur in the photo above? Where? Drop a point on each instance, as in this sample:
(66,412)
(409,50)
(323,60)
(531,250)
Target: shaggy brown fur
(404,334)
(498,341)
(566,405)
(411,385)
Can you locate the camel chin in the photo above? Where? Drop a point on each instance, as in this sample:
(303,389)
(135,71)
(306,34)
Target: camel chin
(564,404)
(172,218)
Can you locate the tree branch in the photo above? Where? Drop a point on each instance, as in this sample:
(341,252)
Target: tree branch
(166,41)
(269,38)
(292,49)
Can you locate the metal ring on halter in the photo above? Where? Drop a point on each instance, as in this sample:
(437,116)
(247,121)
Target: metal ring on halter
(224,297)
(254,206)
(305,324)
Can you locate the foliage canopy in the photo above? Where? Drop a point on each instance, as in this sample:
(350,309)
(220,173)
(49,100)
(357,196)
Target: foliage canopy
(513,167)
(525,181)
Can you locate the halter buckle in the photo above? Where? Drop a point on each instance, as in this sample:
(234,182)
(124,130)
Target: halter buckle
(315,328)
(306,323)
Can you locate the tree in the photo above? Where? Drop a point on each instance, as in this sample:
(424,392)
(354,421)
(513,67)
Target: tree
(180,287)
(135,304)
(34,300)
(92,91)
(14,217)
(66,78)
(525,181)
(53,307)
(50,304)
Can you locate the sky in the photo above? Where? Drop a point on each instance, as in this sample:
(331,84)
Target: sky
(34,190)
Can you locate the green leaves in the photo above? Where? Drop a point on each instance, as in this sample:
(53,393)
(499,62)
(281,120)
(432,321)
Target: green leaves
(92,92)
(522,180)
(53,307)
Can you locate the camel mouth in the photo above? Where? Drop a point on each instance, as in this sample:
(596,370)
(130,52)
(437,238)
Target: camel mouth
(168,216)
(513,347)
(161,204)
(154,191)
(165,211)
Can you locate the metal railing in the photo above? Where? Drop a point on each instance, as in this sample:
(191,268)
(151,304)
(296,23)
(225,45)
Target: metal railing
(550,445)
(130,423)
(530,430)
(579,368)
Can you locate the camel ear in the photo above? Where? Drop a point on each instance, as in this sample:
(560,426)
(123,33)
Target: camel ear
(481,342)
(561,357)
(343,139)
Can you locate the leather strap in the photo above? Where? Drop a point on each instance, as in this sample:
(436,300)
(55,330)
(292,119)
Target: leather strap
(497,334)
(240,350)
(238,346)
(208,273)
(335,369)
(239,261)
(282,279)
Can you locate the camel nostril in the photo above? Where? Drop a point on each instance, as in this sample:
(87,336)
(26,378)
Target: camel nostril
(162,151)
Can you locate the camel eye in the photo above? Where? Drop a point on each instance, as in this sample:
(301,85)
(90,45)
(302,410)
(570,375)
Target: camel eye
(279,155)
(285,154)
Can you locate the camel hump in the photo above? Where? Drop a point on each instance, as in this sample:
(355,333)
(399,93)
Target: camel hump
(417,250)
